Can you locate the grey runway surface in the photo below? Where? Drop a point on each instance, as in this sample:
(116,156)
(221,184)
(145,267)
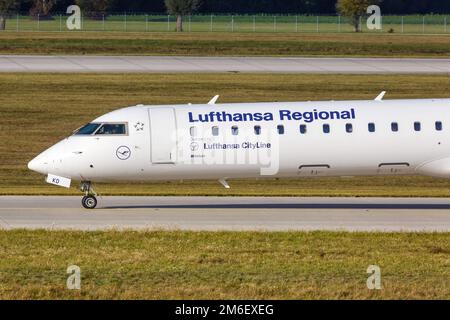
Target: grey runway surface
(154,64)
(227,213)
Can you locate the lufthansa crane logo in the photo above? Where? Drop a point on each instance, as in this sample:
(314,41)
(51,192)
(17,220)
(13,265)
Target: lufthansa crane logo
(194,146)
(123,153)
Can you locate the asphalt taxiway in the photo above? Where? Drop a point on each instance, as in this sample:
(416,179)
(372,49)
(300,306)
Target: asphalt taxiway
(227,213)
(166,64)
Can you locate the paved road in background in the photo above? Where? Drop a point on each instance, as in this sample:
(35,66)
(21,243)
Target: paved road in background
(227,213)
(152,64)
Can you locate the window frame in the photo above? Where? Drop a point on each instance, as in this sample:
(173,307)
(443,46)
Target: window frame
(440,127)
(193,131)
(215,128)
(371,127)
(417,126)
(255,128)
(397,127)
(233,132)
(305,126)
(349,127)
(75,132)
(281,130)
(111,135)
(328,130)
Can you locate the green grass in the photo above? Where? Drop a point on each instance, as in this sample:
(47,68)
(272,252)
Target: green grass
(37,110)
(223,265)
(228,44)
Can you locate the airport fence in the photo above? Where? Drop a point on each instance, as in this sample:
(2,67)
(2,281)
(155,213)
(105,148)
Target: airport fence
(132,22)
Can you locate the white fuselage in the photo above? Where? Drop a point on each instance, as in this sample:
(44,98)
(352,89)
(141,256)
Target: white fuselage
(294,139)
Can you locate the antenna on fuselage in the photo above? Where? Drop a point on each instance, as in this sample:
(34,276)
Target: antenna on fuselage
(380,96)
(214,100)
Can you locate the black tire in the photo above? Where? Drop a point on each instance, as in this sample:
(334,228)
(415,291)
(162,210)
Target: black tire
(89,202)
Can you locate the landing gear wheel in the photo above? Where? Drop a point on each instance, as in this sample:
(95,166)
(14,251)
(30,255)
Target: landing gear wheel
(89,202)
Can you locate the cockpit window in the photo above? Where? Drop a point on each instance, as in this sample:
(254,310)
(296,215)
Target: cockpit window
(87,129)
(111,129)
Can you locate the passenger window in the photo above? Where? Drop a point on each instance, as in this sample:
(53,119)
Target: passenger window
(371,127)
(234,130)
(193,131)
(257,130)
(303,129)
(438,126)
(349,127)
(417,126)
(394,126)
(215,131)
(87,129)
(280,129)
(326,128)
(112,129)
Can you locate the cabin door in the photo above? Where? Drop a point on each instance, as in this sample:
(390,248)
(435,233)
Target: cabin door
(163,141)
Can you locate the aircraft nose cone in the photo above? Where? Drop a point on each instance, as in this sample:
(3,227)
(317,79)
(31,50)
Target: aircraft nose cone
(37,165)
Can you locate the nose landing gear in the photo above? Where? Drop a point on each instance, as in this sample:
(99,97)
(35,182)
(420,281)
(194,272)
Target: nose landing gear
(89,201)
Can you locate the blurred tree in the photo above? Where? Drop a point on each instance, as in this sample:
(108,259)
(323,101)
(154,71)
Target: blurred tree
(5,7)
(181,8)
(402,7)
(41,8)
(354,10)
(94,8)
(93,5)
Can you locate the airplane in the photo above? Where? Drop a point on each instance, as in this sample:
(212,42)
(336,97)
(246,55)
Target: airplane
(253,140)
